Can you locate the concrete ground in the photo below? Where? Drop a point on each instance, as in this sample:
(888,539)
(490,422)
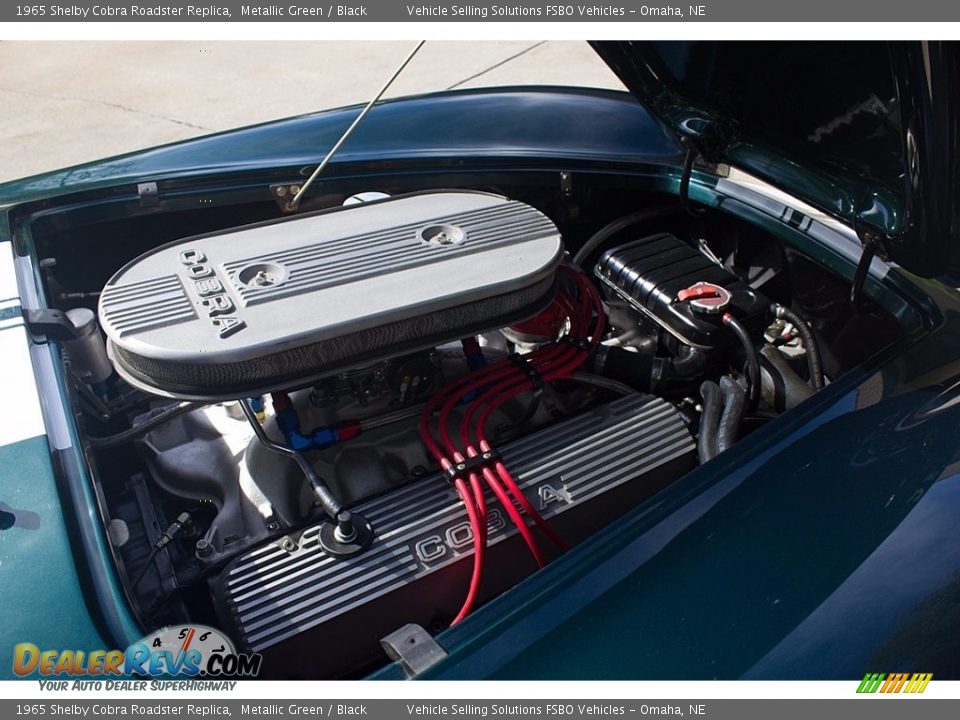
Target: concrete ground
(71,102)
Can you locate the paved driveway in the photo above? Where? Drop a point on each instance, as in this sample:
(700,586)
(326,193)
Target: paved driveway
(65,103)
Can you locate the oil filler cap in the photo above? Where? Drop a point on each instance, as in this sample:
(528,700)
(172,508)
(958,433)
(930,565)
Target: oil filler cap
(705,298)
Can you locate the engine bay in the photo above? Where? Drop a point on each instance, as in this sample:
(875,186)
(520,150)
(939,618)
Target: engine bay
(315,429)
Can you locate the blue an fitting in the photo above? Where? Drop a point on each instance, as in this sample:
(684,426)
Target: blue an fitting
(323,437)
(258,406)
(289,424)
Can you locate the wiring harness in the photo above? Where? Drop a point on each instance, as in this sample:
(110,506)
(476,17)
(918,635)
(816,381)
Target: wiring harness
(467,456)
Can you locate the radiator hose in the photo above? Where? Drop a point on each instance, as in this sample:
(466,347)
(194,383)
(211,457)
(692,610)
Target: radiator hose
(646,373)
(782,388)
(750,352)
(734,401)
(709,421)
(814,364)
(720,419)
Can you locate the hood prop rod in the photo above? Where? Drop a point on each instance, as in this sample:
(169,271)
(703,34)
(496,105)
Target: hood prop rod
(690,158)
(294,202)
(870,247)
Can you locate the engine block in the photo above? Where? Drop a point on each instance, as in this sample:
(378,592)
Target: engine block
(288,601)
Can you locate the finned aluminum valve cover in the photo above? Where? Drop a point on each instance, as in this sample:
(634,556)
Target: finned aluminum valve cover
(276,304)
(580,474)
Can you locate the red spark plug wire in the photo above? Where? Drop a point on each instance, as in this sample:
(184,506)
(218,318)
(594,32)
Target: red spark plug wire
(570,359)
(508,389)
(479,546)
(458,457)
(498,383)
(472,497)
(515,516)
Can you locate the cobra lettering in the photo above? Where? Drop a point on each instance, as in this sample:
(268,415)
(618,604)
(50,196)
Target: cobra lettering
(213,297)
(549,494)
(436,547)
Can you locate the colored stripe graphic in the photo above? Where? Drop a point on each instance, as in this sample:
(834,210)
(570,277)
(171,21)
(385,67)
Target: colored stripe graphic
(871,682)
(918,682)
(894,683)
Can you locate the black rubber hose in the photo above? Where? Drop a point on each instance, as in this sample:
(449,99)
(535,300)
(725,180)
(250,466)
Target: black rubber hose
(633,368)
(646,373)
(786,388)
(166,415)
(753,362)
(689,362)
(734,400)
(618,225)
(814,363)
(709,421)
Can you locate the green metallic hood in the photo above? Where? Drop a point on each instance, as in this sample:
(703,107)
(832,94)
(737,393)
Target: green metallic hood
(865,131)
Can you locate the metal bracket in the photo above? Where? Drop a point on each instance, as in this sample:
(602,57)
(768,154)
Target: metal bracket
(50,324)
(149,194)
(284,194)
(414,648)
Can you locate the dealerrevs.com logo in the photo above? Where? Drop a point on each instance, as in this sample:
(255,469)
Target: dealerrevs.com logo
(894,683)
(190,651)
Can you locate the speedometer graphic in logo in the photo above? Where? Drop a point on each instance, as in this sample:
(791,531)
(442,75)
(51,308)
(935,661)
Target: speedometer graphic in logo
(184,638)
(190,650)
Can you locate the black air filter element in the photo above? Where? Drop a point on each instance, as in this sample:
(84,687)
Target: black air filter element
(279,304)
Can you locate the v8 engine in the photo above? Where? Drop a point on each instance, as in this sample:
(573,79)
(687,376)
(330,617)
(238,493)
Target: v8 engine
(325,427)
